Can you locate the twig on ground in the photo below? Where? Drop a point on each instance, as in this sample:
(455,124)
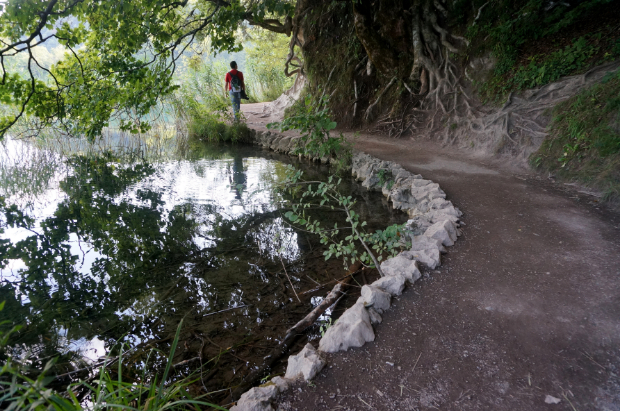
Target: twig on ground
(416,362)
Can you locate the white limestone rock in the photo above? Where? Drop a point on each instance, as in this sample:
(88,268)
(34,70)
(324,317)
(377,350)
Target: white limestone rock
(375,318)
(418,224)
(274,142)
(267,138)
(294,145)
(429,257)
(282,384)
(363,166)
(372,182)
(257,399)
(444,231)
(420,182)
(285,144)
(386,189)
(401,196)
(353,329)
(306,364)
(401,265)
(439,215)
(392,284)
(421,207)
(419,193)
(375,298)
(440,206)
(423,242)
(400,175)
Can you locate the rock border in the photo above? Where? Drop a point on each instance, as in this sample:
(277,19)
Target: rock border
(434,224)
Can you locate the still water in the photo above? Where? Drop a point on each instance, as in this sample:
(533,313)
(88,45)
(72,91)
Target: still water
(104,248)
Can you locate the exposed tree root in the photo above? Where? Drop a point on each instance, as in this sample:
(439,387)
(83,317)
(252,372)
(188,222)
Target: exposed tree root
(519,126)
(378,100)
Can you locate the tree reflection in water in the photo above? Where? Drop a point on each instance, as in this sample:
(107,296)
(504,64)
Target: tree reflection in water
(132,248)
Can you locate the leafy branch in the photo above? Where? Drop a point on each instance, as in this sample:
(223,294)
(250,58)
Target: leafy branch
(391,240)
(315,125)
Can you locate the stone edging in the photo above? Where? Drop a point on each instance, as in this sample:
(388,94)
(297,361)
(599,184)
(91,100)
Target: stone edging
(433,222)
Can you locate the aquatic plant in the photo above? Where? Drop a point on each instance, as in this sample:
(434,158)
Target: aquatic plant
(391,240)
(20,390)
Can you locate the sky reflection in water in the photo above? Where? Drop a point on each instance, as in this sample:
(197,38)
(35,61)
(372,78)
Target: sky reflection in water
(204,196)
(123,251)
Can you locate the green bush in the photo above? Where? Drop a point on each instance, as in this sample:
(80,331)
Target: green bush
(315,125)
(510,28)
(212,130)
(543,70)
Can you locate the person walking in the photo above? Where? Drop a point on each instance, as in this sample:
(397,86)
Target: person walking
(234,84)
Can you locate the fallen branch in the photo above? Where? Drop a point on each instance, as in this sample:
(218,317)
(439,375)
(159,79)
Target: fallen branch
(290,337)
(331,298)
(289,278)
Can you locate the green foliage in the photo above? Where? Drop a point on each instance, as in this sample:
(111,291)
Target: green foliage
(213,130)
(266,53)
(507,28)
(315,126)
(385,178)
(325,326)
(389,241)
(121,56)
(19,391)
(584,139)
(546,69)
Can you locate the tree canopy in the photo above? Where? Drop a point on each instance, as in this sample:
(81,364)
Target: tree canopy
(120,55)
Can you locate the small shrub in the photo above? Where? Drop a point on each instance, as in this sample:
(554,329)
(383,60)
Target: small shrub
(326,195)
(315,126)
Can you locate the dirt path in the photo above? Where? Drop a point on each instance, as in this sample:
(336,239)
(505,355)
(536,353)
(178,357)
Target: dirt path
(526,304)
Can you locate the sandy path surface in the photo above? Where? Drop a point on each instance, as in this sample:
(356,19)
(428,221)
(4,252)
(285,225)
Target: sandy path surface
(525,305)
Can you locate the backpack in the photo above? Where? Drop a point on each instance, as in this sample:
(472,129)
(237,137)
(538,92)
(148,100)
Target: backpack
(235,83)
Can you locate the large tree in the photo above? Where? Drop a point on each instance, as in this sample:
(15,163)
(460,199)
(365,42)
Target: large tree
(122,54)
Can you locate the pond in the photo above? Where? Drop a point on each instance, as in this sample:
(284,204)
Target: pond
(110,247)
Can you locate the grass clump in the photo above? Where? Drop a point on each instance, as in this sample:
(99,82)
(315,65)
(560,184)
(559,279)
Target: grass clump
(213,129)
(584,140)
(22,388)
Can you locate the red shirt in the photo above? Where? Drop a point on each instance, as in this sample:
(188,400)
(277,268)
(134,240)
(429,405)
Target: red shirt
(229,78)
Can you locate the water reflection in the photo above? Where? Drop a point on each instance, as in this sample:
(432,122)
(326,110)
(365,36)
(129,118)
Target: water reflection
(114,250)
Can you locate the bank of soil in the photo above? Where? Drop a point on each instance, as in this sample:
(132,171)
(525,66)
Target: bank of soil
(525,304)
